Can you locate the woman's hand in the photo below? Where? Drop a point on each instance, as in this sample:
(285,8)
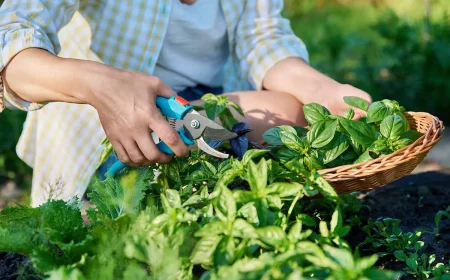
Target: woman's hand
(125,100)
(296,77)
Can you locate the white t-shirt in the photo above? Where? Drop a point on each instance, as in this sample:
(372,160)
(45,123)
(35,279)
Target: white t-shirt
(195,47)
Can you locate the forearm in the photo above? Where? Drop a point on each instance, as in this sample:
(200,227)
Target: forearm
(38,76)
(296,77)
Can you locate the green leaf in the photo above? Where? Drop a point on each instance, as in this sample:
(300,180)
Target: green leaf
(284,189)
(401,143)
(272,136)
(336,219)
(357,102)
(301,131)
(340,256)
(209,167)
(315,112)
(366,156)
(251,154)
(225,205)
(400,255)
(114,197)
(412,135)
(361,132)
(227,119)
(204,249)
(312,161)
(242,196)
(236,107)
(173,197)
(272,235)
(64,273)
(349,114)
(325,188)
(335,148)
(212,228)
(291,140)
(257,176)
(378,111)
(321,133)
(286,154)
(224,251)
(244,230)
(392,126)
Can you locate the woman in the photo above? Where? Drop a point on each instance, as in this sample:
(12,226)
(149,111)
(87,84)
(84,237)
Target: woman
(99,65)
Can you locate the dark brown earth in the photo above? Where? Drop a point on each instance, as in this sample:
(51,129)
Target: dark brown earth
(415,200)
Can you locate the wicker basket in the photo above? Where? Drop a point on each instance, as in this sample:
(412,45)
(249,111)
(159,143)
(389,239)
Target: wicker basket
(381,171)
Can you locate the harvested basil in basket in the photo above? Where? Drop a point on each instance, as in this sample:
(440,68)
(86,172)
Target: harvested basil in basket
(335,140)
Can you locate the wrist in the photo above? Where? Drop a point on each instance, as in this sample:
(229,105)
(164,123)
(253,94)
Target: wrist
(89,79)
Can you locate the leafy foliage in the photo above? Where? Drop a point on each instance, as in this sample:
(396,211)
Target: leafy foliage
(334,140)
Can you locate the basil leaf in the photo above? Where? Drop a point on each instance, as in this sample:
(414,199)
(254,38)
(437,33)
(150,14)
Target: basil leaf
(315,112)
(272,235)
(291,140)
(257,175)
(301,131)
(401,143)
(312,161)
(225,205)
(272,136)
(366,156)
(335,148)
(349,114)
(251,154)
(378,111)
(361,132)
(286,154)
(379,146)
(392,126)
(223,255)
(321,133)
(357,102)
(412,135)
(283,189)
(243,229)
(204,249)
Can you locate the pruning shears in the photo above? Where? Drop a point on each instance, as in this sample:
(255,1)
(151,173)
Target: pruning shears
(195,126)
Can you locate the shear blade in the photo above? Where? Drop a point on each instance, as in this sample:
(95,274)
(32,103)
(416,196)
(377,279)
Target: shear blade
(202,145)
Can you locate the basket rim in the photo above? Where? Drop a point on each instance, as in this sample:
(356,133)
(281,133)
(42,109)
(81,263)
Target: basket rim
(422,145)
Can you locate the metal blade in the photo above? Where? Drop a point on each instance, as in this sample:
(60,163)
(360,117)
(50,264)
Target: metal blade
(205,127)
(219,134)
(202,145)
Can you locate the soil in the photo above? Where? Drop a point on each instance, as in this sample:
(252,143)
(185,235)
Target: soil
(415,200)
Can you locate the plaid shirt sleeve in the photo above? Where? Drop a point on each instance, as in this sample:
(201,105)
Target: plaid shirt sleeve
(264,38)
(30,24)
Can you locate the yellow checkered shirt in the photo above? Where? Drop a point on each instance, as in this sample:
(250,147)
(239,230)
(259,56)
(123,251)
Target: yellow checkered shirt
(62,141)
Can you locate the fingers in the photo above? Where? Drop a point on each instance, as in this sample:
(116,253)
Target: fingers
(168,134)
(149,149)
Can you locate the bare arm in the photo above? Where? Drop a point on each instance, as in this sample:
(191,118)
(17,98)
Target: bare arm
(125,100)
(295,76)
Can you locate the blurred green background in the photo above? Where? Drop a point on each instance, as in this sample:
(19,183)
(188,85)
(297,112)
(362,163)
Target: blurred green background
(398,49)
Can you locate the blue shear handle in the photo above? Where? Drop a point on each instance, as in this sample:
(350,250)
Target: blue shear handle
(174,107)
(119,166)
(165,149)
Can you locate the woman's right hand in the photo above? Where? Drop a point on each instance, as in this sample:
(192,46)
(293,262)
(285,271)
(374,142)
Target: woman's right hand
(125,102)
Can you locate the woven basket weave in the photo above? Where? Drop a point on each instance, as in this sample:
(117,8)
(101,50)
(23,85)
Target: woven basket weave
(385,169)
